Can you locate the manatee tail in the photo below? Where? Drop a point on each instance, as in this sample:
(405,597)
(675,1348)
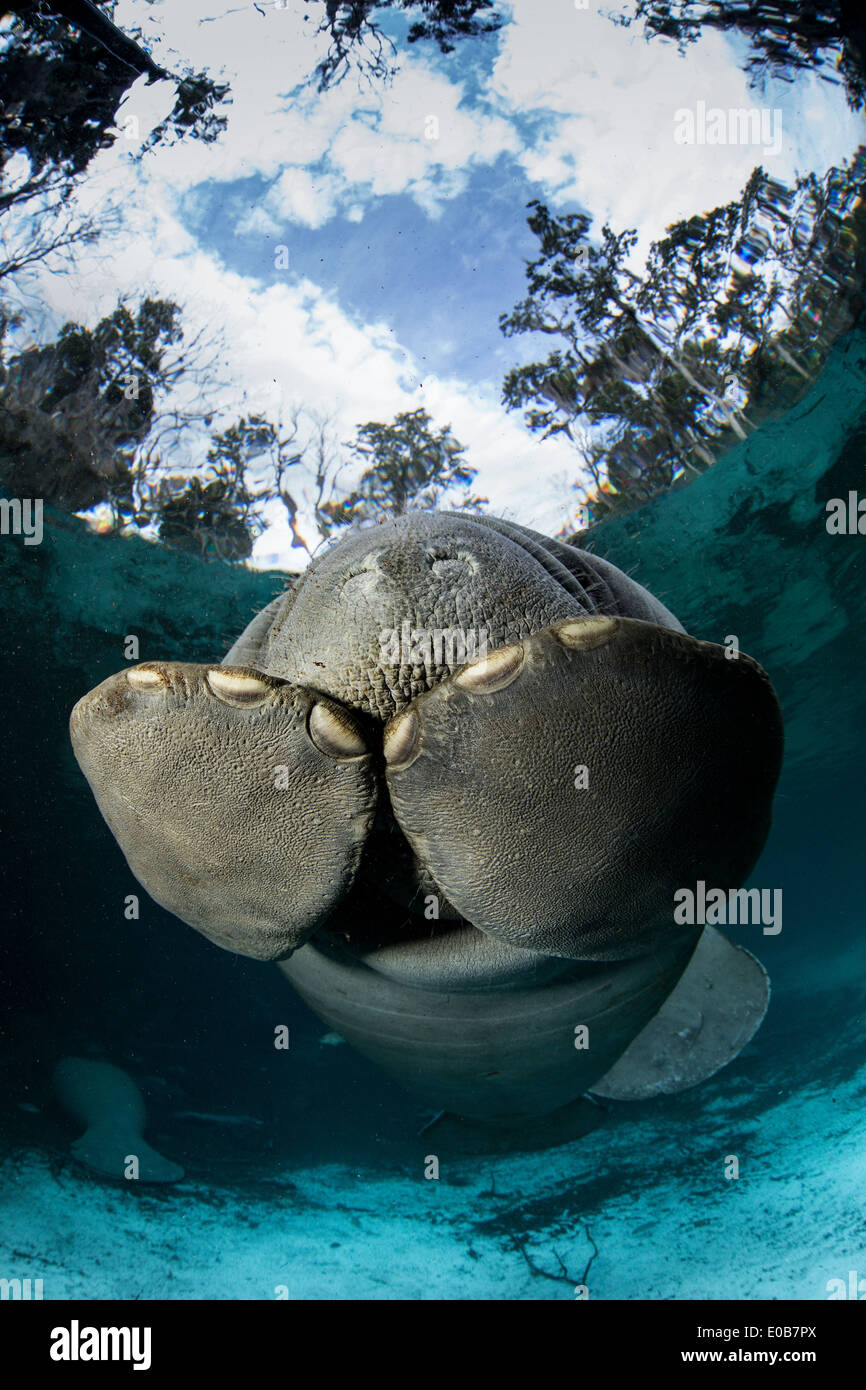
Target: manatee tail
(707,1019)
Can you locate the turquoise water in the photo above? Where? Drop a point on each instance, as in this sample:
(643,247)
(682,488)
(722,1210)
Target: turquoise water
(305,1170)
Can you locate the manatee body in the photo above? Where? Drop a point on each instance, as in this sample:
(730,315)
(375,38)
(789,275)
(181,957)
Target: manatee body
(110,1106)
(451,781)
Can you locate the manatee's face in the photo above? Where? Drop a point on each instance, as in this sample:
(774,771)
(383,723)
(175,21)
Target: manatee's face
(460,586)
(453,752)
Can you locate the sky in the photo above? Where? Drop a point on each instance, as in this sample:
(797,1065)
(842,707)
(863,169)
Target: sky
(402,208)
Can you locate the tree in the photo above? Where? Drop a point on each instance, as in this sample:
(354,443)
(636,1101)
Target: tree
(61,88)
(94,22)
(55,234)
(324,460)
(785,35)
(356,35)
(653,376)
(220,510)
(73,413)
(408,464)
(97,417)
(216,513)
(208,517)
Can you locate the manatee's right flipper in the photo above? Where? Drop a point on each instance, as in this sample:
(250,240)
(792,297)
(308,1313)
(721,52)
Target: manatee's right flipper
(564,789)
(241,802)
(713,1011)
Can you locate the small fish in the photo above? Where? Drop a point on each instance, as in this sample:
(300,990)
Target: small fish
(429,1125)
(31,1109)
(331,1040)
(218,1119)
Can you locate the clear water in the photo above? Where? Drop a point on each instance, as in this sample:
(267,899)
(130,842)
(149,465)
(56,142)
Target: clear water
(314,1178)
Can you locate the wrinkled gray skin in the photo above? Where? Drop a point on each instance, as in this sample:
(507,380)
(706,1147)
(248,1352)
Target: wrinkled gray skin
(422,826)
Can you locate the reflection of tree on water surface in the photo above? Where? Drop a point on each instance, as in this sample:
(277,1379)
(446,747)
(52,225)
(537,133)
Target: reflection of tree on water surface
(655,376)
(655,370)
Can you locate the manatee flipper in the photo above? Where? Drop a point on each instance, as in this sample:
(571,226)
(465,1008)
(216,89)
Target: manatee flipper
(713,1011)
(563,788)
(109,1103)
(240,801)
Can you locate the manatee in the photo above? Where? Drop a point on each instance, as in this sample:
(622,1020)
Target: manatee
(451,781)
(110,1105)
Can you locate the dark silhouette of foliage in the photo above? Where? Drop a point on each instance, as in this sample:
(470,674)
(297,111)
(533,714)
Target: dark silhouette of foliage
(786,35)
(654,376)
(357,37)
(60,91)
(97,24)
(89,419)
(214,514)
(72,413)
(208,517)
(409,464)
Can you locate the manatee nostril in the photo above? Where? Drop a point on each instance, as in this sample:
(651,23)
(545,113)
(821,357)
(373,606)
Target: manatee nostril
(447,563)
(364,577)
(357,584)
(146,678)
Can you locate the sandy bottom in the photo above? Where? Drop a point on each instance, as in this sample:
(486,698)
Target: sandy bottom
(638,1207)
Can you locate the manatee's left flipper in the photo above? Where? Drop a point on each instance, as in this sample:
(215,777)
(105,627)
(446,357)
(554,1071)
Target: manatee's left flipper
(562,789)
(240,801)
(713,1011)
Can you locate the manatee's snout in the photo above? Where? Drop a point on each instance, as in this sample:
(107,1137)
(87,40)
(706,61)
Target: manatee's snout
(97,722)
(106,714)
(412,572)
(108,711)
(449,558)
(390,611)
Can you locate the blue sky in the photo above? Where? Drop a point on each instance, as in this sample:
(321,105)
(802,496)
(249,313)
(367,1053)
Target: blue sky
(405,249)
(417,273)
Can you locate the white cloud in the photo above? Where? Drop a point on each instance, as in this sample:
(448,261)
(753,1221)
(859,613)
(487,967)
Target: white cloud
(258,221)
(290,343)
(371,142)
(585,106)
(298,197)
(141,108)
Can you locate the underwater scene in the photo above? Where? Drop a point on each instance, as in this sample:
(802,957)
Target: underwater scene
(433,509)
